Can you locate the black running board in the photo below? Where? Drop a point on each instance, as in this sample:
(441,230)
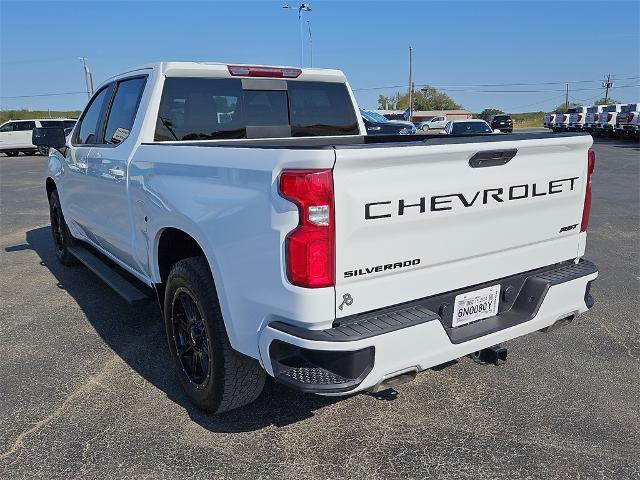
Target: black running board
(123,287)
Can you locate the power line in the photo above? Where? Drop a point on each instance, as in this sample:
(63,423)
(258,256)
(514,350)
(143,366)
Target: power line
(44,95)
(489,85)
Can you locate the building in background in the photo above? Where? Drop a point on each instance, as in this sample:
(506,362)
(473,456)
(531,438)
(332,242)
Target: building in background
(423,115)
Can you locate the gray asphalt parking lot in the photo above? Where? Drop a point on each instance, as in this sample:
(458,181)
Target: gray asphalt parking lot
(87,389)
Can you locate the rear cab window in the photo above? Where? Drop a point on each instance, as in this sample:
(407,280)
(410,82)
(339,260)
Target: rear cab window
(228,108)
(23,126)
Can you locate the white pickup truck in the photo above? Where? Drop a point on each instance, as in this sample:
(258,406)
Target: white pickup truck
(607,120)
(282,240)
(577,118)
(628,120)
(592,117)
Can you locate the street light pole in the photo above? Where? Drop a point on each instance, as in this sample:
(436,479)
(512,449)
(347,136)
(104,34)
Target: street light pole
(310,44)
(304,7)
(410,83)
(87,77)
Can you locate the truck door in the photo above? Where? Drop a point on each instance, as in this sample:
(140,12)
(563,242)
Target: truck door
(108,203)
(75,194)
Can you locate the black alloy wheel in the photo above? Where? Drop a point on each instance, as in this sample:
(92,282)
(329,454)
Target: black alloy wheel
(191,338)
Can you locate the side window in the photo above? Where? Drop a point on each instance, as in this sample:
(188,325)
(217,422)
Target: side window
(7,127)
(321,108)
(23,126)
(90,122)
(123,110)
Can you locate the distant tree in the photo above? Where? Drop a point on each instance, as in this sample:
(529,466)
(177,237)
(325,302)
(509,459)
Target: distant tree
(610,101)
(562,107)
(487,113)
(427,98)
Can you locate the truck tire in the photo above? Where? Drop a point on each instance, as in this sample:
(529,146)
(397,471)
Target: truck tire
(12,153)
(215,377)
(62,238)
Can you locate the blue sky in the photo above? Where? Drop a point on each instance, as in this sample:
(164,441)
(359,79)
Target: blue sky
(457,45)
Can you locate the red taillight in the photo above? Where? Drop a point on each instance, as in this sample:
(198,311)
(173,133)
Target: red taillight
(596,116)
(552,118)
(579,118)
(310,247)
(256,71)
(629,116)
(609,117)
(564,118)
(591,164)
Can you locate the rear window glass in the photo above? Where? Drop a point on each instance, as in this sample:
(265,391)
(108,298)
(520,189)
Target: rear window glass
(502,117)
(592,109)
(51,123)
(210,109)
(471,127)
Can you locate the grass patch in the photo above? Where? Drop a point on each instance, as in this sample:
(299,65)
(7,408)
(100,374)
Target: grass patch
(28,114)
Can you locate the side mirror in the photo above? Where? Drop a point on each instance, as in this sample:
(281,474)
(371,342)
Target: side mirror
(49,137)
(497,130)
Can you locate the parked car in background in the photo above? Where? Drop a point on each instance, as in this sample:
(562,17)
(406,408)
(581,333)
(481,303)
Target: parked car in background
(502,122)
(577,118)
(467,127)
(377,124)
(607,119)
(15,135)
(435,123)
(549,120)
(628,120)
(592,116)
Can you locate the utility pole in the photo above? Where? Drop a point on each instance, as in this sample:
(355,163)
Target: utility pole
(87,76)
(566,100)
(607,85)
(310,43)
(410,83)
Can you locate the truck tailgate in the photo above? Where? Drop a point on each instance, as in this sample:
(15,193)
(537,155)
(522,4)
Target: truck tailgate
(419,220)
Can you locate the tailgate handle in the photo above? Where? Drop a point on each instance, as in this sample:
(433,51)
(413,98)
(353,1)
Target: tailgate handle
(492,158)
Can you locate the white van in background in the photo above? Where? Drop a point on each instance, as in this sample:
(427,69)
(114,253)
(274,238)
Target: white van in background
(15,135)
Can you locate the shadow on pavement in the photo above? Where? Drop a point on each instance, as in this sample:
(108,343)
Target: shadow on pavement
(136,334)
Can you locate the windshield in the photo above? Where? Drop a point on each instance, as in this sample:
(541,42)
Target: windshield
(471,127)
(374,117)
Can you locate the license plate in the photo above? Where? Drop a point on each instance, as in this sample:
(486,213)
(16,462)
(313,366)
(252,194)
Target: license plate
(476,305)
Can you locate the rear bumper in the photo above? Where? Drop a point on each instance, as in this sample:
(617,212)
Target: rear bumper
(366,349)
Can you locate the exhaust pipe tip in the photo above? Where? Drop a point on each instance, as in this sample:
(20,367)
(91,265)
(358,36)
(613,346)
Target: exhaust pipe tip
(395,379)
(557,324)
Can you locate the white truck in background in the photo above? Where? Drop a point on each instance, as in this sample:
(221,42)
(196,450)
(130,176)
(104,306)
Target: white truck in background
(561,123)
(628,121)
(592,117)
(280,239)
(549,120)
(607,120)
(577,118)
